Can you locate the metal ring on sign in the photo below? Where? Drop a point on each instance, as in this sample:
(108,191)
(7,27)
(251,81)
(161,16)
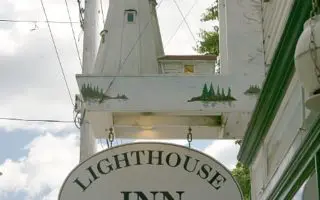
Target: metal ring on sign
(189,136)
(111,136)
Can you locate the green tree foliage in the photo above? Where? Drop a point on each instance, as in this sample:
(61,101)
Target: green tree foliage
(210,13)
(209,40)
(209,43)
(242,175)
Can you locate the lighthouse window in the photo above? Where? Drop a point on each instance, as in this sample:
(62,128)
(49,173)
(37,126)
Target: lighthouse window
(130,17)
(188,69)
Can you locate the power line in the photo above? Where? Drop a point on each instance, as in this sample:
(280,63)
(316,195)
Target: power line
(73,33)
(179,26)
(185,20)
(139,37)
(35,21)
(121,64)
(57,53)
(35,120)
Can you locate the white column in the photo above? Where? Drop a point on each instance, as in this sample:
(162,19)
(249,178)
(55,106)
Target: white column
(92,27)
(242,39)
(91,38)
(156,28)
(222,37)
(129,48)
(87,141)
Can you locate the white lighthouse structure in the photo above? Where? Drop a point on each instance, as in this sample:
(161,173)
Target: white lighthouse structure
(131,40)
(138,92)
(131,89)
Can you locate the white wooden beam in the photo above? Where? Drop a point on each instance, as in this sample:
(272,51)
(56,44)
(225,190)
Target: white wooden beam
(141,120)
(161,93)
(165,132)
(90,47)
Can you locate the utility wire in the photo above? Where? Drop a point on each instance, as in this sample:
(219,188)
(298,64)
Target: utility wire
(35,120)
(57,53)
(121,64)
(185,20)
(139,37)
(35,21)
(179,26)
(73,33)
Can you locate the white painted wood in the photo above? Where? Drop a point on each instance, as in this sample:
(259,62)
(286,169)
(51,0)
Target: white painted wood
(243,40)
(130,48)
(282,140)
(167,96)
(286,130)
(258,175)
(275,15)
(150,120)
(91,30)
(140,168)
(223,42)
(235,124)
(168,93)
(310,190)
(166,132)
(87,141)
(293,84)
(204,68)
(90,47)
(282,166)
(172,68)
(177,66)
(169,125)
(156,28)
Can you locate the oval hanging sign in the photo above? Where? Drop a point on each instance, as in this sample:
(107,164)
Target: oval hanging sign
(150,171)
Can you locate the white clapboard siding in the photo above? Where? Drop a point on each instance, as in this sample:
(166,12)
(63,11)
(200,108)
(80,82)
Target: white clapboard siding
(199,67)
(172,68)
(275,15)
(205,68)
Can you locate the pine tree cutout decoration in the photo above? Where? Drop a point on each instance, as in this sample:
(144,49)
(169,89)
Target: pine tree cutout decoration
(210,95)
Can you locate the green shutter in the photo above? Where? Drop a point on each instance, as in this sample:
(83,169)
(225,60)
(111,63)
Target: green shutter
(130,17)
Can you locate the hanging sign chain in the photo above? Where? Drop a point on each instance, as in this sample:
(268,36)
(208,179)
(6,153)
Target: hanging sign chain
(111,136)
(313,46)
(189,136)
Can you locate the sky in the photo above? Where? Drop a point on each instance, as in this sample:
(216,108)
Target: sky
(35,158)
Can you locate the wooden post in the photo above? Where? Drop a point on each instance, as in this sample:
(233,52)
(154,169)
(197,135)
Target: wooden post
(90,47)
(91,38)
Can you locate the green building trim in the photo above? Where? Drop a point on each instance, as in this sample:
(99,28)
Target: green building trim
(301,167)
(276,83)
(306,160)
